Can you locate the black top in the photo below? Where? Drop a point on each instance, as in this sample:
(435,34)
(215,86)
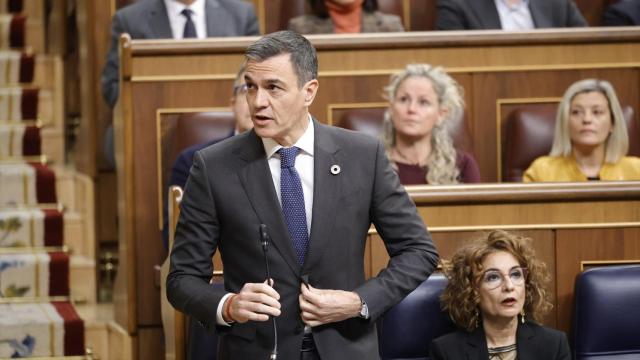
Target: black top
(534,342)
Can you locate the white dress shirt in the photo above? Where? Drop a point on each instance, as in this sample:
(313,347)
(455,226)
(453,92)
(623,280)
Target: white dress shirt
(515,17)
(177,20)
(304,167)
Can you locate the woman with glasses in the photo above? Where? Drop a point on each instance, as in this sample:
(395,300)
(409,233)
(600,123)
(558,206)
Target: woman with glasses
(590,141)
(496,295)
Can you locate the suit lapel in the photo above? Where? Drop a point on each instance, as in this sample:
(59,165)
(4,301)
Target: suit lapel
(476,345)
(159,21)
(526,347)
(256,179)
(486,13)
(326,191)
(538,10)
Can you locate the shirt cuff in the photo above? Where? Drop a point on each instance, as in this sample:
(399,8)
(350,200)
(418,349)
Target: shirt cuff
(219,318)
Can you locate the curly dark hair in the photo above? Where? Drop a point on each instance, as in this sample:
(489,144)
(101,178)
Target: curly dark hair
(464,273)
(320,10)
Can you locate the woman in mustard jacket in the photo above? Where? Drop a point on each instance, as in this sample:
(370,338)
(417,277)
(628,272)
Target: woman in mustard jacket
(590,140)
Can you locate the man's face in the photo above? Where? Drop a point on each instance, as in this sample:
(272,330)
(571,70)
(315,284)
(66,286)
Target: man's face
(278,106)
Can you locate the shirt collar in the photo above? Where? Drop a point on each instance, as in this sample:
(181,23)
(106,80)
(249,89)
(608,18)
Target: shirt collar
(513,8)
(305,143)
(175,7)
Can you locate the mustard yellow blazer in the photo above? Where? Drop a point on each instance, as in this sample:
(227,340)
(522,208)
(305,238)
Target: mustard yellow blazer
(555,168)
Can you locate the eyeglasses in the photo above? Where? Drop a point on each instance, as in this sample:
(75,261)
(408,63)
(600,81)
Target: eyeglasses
(240,89)
(493,279)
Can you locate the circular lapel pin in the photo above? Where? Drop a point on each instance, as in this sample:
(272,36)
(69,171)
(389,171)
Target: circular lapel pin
(335,169)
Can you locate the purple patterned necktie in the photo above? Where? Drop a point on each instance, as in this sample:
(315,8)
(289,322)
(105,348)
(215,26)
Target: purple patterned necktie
(293,202)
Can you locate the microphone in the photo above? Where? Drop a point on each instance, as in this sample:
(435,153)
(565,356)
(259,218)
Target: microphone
(264,241)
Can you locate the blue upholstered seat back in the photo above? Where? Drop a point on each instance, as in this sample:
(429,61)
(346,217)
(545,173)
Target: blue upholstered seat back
(406,330)
(606,322)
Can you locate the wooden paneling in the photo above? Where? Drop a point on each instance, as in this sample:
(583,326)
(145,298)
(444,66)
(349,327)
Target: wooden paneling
(542,213)
(576,245)
(355,71)
(422,15)
(150,344)
(106,214)
(532,85)
(93,22)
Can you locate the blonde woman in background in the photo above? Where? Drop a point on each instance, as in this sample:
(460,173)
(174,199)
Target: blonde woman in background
(590,140)
(423,102)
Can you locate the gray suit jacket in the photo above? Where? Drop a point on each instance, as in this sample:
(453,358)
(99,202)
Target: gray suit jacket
(622,13)
(534,342)
(482,14)
(148,19)
(230,192)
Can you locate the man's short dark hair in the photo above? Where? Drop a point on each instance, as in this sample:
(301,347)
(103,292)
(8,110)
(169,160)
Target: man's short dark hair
(303,54)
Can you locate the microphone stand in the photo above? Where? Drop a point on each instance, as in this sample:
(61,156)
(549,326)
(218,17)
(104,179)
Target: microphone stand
(264,241)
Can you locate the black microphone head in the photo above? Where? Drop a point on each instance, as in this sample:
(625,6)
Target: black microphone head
(264,236)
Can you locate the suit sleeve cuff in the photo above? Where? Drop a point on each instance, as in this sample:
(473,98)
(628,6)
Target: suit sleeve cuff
(219,319)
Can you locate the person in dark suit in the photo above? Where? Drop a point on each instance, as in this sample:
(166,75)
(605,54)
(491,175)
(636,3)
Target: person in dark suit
(317,189)
(164,19)
(622,13)
(507,14)
(496,294)
(151,19)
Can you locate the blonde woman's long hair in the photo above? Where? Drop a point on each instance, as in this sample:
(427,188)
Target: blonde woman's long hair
(618,141)
(442,160)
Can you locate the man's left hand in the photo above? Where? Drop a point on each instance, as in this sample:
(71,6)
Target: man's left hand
(320,306)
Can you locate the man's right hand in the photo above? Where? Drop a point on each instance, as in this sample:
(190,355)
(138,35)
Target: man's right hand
(254,302)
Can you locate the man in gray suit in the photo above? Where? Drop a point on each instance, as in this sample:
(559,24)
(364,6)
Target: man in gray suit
(168,19)
(151,19)
(507,14)
(336,181)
